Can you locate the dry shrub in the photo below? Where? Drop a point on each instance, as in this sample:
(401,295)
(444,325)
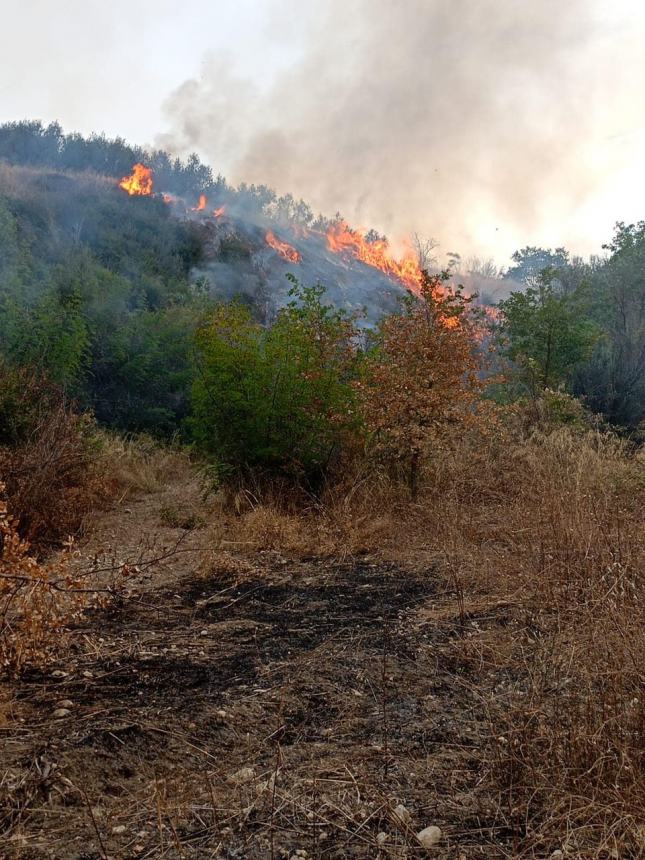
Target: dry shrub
(39,600)
(49,465)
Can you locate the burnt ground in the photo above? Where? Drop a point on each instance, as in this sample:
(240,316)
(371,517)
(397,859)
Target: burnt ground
(284,707)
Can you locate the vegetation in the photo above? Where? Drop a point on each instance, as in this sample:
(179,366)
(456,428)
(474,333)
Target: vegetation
(510,482)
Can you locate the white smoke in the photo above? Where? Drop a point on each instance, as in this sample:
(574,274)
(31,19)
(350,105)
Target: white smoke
(485,123)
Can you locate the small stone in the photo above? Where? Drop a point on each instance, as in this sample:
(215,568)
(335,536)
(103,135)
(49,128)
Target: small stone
(65,703)
(381,838)
(429,836)
(401,814)
(556,854)
(59,713)
(88,674)
(117,829)
(58,673)
(203,632)
(221,714)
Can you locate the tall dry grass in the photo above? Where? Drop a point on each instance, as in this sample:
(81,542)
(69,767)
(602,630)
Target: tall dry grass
(547,520)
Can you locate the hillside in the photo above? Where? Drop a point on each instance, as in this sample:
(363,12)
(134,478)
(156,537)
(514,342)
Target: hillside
(306,552)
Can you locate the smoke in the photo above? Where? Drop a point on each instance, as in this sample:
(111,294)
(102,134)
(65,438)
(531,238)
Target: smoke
(484,123)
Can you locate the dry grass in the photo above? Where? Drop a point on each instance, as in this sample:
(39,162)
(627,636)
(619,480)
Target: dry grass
(549,523)
(136,465)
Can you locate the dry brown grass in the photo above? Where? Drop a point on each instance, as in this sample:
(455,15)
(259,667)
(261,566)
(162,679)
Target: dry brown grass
(136,465)
(550,523)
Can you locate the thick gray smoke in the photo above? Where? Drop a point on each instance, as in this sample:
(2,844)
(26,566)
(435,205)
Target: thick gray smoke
(479,122)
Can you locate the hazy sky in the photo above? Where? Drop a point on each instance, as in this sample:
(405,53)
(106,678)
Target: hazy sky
(487,124)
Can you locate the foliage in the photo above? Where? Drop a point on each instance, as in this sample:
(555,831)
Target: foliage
(546,333)
(419,378)
(278,398)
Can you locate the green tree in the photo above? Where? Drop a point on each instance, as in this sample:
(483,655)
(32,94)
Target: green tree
(546,333)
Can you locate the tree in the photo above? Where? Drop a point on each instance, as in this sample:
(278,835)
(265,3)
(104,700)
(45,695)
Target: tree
(546,332)
(613,381)
(531,261)
(418,380)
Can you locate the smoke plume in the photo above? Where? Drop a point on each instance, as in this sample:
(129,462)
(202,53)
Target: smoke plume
(483,123)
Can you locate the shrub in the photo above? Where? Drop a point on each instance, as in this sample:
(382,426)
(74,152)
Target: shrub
(48,458)
(419,378)
(277,400)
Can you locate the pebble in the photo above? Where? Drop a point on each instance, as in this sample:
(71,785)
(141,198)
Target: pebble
(381,838)
(58,673)
(429,836)
(557,854)
(65,703)
(88,674)
(119,828)
(59,713)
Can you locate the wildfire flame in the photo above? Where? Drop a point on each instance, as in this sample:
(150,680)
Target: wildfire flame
(201,205)
(341,239)
(282,248)
(139,183)
(217,213)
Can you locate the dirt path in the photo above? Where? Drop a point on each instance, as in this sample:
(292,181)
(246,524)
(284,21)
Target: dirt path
(276,708)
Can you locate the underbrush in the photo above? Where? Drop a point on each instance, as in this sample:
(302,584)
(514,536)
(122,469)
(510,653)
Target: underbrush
(49,459)
(547,520)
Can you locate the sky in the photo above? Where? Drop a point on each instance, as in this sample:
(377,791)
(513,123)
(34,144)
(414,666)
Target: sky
(486,124)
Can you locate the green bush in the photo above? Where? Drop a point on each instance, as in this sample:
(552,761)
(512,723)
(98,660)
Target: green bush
(277,399)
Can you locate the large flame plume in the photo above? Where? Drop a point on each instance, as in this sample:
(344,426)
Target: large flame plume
(139,183)
(282,248)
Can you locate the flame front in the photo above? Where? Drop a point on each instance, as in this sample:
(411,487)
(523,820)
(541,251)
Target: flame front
(139,183)
(341,239)
(217,213)
(282,248)
(201,205)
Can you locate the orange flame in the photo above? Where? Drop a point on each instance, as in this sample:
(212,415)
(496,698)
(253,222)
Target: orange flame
(201,205)
(217,213)
(342,239)
(139,183)
(282,248)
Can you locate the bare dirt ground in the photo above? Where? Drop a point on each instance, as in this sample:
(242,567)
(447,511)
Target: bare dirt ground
(265,708)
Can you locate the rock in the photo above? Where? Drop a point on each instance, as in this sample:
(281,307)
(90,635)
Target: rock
(401,815)
(381,838)
(557,854)
(117,829)
(58,673)
(221,714)
(244,774)
(59,713)
(429,836)
(88,674)
(65,703)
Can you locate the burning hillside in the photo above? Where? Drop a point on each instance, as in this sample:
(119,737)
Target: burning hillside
(357,271)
